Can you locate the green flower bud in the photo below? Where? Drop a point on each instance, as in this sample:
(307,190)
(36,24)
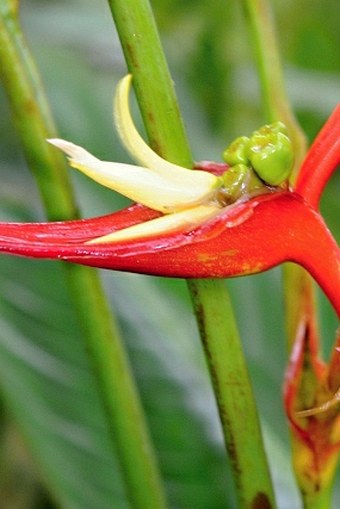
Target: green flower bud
(235,179)
(238,181)
(254,181)
(271,154)
(236,153)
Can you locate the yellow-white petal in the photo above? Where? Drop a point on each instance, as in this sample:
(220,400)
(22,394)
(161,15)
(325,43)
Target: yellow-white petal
(137,183)
(203,181)
(184,220)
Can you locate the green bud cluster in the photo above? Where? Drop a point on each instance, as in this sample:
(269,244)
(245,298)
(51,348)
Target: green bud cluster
(268,152)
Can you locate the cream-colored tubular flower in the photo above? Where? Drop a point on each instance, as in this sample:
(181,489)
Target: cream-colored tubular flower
(158,184)
(186,195)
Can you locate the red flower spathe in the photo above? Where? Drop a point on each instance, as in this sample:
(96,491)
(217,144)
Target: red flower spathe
(244,238)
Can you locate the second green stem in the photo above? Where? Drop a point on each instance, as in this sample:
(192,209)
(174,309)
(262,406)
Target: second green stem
(116,386)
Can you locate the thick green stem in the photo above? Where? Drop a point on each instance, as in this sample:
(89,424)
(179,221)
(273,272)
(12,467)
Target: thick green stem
(151,79)
(118,390)
(233,391)
(155,93)
(102,340)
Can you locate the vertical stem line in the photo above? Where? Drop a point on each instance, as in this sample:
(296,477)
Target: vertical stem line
(233,391)
(298,285)
(157,100)
(277,107)
(126,422)
(151,79)
(33,119)
(276,104)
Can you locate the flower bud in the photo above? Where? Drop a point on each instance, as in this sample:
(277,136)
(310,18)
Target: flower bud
(271,154)
(235,182)
(236,153)
(275,127)
(239,180)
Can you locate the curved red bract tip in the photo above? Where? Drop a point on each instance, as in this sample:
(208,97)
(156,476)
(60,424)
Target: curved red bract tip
(321,161)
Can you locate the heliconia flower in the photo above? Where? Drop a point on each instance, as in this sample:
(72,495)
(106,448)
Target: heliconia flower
(214,221)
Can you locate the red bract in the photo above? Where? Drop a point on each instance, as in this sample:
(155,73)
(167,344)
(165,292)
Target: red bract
(321,161)
(244,238)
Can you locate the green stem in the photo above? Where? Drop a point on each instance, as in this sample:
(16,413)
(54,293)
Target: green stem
(224,353)
(151,79)
(32,119)
(299,286)
(267,56)
(299,295)
(117,389)
(155,93)
(277,107)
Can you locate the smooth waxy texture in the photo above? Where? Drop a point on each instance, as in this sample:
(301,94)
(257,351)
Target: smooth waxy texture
(236,153)
(271,156)
(244,238)
(268,152)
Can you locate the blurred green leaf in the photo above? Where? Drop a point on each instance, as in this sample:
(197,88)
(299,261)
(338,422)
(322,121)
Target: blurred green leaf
(48,385)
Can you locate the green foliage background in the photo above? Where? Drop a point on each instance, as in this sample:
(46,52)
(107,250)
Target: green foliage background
(53,434)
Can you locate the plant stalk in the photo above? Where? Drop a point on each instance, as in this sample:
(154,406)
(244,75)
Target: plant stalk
(299,287)
(267,57)
(233,391)
(158,104)
(126,422)
(152,81)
